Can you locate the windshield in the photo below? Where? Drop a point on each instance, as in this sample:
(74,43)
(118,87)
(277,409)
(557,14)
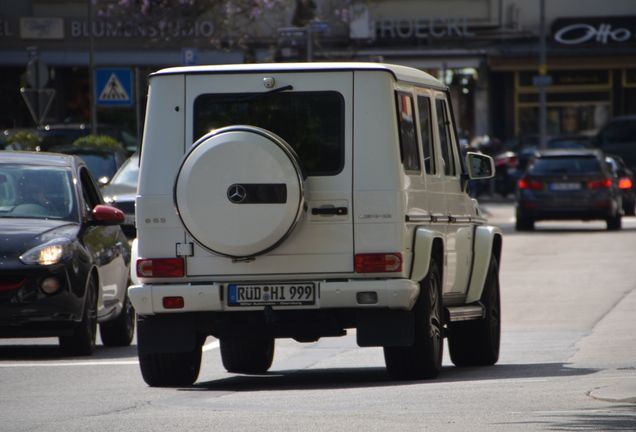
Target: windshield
(28,191)
(565,165)
(127,173)
(100,164)
(311,122)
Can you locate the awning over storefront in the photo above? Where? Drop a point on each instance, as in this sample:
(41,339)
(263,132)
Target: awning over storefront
(118,58)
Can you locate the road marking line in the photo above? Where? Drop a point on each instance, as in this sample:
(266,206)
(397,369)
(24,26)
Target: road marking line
(87,363)
(208,347)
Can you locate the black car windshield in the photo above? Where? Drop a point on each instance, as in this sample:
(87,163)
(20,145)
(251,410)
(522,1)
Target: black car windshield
(311,122)
(29,191)
(565,165)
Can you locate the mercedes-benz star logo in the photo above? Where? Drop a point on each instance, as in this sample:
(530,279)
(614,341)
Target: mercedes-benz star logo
(236,193)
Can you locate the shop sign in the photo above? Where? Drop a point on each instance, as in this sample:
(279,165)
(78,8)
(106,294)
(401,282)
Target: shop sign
(600,31)
(422,28)
(42,28)
(178,28)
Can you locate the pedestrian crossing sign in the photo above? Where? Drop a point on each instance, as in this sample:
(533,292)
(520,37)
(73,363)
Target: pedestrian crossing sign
(113,87)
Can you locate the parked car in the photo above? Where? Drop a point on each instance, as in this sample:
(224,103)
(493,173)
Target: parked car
(120,192)
(103,162)
(65,134)
(568,184)
(626,182)
(299,201)
(65,260)
(618,137)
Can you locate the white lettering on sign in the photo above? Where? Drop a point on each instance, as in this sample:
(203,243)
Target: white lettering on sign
(121,29)
(422,28)
(581,33)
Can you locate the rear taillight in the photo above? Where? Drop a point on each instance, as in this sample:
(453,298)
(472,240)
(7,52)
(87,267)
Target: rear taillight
(530,184)
(160,267)
(599,184)
(378,263)
(625,183)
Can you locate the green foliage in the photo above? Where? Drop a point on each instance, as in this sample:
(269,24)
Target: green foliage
(24,140)
(97,141)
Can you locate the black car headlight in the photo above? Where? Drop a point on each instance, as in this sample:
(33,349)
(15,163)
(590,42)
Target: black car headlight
(49,253)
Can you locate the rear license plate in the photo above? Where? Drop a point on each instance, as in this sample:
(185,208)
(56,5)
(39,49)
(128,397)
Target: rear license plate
(565,186)
(293,294)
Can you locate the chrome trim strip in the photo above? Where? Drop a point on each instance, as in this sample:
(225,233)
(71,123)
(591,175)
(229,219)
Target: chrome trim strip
(466,313)
(418,218)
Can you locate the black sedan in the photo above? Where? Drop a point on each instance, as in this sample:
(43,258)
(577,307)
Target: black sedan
(568,184)
(64,260)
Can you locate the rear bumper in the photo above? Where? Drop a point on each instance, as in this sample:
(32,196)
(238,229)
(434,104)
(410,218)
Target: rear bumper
(399,294)
(537,210)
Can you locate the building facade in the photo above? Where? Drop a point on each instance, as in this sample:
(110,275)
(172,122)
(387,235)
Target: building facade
(487,50)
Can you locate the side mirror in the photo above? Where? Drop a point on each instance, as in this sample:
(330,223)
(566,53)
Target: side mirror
(480,166)
(107,215)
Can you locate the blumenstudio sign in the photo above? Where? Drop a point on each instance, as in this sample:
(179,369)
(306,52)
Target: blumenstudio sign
(595,31)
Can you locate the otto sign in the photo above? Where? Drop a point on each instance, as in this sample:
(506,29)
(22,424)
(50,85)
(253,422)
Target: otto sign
(599,31)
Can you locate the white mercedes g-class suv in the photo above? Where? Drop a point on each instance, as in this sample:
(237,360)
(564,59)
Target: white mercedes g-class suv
(302,201)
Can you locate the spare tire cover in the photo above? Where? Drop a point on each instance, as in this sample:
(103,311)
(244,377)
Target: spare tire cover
(239,191)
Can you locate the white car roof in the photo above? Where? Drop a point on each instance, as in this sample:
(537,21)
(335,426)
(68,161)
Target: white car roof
(401,73)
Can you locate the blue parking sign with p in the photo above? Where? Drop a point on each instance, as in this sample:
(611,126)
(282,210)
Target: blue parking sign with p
(113,87)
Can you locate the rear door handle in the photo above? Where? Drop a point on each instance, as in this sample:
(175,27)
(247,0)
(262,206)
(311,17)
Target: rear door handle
(329,211)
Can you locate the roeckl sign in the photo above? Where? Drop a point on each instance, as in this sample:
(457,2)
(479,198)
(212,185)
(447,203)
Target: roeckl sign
(600,31)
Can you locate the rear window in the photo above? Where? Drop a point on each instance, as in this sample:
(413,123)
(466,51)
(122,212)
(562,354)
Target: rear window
(311,122)
(565,165)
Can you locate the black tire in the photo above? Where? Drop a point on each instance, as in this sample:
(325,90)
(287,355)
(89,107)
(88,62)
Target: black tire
(247,355)
(119,331)
(476,343)
(524,223)
(422,360)
(171,369)
(614,223)
(629,208)
(81,340)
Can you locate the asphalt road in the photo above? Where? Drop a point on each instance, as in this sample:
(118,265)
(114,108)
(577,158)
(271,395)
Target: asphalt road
(568,363)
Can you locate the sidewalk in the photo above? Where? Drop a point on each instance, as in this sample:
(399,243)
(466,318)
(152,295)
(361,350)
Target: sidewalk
(613,334)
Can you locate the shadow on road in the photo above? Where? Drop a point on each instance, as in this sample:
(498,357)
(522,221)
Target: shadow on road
(616,418)
(322,379)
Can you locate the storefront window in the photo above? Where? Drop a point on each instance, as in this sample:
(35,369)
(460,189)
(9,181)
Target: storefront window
(578,102)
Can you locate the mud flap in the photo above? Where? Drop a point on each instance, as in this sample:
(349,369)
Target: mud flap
(166,334)
(385,328)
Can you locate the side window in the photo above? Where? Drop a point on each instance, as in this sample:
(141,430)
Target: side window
(90,194)
(443,127)
(408,140)
(426,135)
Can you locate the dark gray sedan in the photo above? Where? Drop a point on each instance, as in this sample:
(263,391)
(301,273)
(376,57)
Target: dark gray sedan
(568,184)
